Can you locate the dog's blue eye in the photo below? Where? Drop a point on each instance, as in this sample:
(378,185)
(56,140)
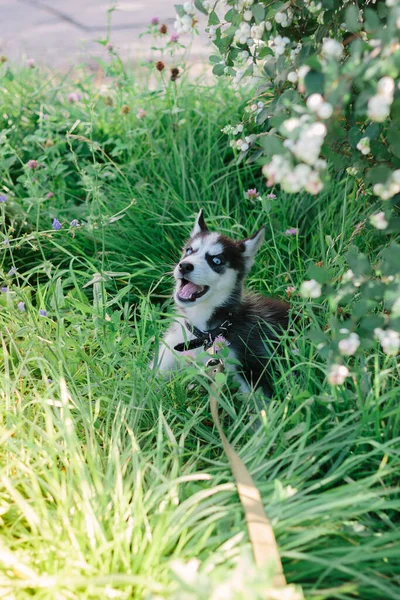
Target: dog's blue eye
(189,250)
(216,260)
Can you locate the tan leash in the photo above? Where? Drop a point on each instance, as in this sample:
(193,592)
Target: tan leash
(261,534)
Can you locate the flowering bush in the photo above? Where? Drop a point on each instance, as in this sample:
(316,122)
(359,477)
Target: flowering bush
(365,310)
(322,77)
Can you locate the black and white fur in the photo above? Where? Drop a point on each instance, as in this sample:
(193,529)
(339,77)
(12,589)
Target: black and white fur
(216,267)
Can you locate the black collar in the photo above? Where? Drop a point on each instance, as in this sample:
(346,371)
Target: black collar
(205,338)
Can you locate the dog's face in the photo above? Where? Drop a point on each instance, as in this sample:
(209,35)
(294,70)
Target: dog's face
(213,266)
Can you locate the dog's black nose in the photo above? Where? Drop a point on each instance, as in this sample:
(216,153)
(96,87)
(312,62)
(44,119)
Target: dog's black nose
(185,267)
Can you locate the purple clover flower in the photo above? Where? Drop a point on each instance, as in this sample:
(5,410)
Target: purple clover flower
(155,21)
(49,195)
(271,196)
(74,97)
(21,306)
(252,193)
(3,198)
(292,231)
(30,63)
(174,37)
(43,312)
(56,225)
(110,46)
(32,164)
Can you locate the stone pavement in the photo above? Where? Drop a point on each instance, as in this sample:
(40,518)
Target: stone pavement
(62,33)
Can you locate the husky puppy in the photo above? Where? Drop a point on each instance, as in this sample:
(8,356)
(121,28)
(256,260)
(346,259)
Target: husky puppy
(212,305)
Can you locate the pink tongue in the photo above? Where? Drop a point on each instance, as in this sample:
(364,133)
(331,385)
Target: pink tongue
(188,290)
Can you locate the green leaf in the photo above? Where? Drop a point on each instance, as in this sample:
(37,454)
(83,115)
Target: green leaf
(355,136)
(393,137)
(358,262)
(272,144)
(259,12)
(214,59)
(230,15)
(262,116)
(213,18)
(314,82)
(320,274)
(378,174)
(372,131)
(179,10)
(218,69)
(372,21)
(390,260)
(264,52)
(199,5)
(352,18)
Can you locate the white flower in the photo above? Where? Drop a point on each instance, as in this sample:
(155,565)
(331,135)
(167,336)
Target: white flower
(332,48)
(277,169)
(325,110)
(389,340)
(296,179)
(212,32)
(279,17)
(268,25)
(247,15)
(314,183)
(290,125)
(321,164)
(378,108)
(314,101)
(386,87)
(396,176)
(257,31)
(308,146)
(189,8)
(292,77)
(363,145)
(348,276)
(378,220)
(337,374)
(349,345)
(184,24)
(310,289)
(302,72)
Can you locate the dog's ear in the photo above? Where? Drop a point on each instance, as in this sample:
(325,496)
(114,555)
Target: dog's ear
(200,224)
(251,246)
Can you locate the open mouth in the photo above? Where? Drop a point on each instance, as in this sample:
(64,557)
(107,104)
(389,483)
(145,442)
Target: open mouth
(189,291)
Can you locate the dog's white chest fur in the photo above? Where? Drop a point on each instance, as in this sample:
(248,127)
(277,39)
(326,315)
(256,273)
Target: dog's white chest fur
(168,359)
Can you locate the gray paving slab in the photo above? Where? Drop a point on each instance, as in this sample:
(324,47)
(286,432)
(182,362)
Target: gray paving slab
(62,33)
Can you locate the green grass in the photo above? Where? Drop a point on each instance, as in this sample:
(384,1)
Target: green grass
(108,474)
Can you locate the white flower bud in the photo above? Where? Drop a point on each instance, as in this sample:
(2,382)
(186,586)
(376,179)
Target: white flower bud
(292,77)
(349,345)
(310,289)
(314,102)
(325,110)
(378,220)
(332,48)
(337,374)
(389,340)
